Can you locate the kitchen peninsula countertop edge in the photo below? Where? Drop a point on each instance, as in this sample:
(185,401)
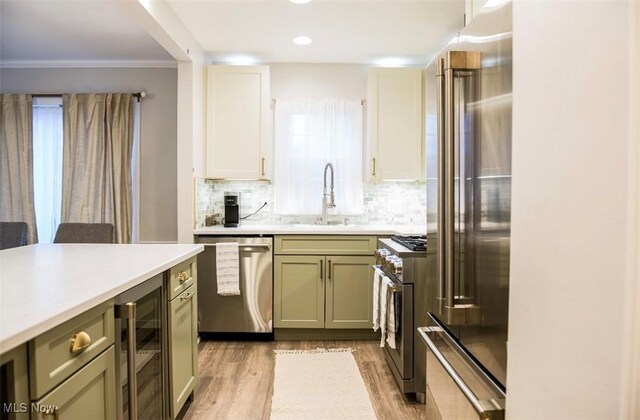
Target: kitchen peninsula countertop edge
(44,285)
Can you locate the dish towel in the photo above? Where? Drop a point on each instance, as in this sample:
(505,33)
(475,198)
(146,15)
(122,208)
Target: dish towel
(391,319)
(227,269)
(384,290)
(377,277)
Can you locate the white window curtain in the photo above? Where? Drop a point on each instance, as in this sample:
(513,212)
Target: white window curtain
(308,135)
(47,165)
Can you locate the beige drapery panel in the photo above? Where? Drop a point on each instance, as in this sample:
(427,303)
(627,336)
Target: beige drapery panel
(16,162)
(96,175)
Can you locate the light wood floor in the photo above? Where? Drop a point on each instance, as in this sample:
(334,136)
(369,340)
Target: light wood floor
(236,380)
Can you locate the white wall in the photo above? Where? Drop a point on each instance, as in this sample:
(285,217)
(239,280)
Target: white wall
(318,81)
(158,129)
(574,209)
(161,22)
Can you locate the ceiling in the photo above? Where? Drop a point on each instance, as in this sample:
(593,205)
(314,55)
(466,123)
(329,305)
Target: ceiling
(382,32)
(35,31)
(385,32)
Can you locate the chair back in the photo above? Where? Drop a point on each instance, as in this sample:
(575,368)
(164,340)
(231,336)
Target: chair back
(13,234)
(85,233)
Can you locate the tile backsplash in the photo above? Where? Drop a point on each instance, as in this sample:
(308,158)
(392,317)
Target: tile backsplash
(385,203)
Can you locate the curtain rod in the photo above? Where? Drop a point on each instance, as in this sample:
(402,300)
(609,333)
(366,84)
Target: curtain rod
(363,102)
(138,95)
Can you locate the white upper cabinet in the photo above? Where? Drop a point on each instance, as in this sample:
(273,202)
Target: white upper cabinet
(396,143)
(237,118)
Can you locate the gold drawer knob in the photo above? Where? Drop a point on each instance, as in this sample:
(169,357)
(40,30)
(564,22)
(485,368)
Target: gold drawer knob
(183,276)
(80,341)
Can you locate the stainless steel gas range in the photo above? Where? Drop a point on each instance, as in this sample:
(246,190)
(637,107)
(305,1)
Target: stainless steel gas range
(403,259)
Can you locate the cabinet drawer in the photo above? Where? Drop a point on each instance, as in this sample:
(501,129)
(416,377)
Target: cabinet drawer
(325,245)
(51,357)
(89,394)
(182,276)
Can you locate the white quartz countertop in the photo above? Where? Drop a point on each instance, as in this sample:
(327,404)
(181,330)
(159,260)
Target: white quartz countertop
(301,229)
(42,286)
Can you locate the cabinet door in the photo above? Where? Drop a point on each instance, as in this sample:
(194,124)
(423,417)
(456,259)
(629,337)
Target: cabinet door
(14,384)
(237,120)
(87,394)
(183,350)
(299,291)
(349,292)
(395,146)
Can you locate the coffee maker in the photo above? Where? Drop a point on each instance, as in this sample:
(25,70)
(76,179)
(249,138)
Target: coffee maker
(231,209)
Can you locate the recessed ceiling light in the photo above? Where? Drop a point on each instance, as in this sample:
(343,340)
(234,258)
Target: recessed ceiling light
(302,40)
(391,62)
(300,1)
(240,60)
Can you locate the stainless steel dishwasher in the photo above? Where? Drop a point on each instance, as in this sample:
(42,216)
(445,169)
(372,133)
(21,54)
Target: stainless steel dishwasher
(252,310)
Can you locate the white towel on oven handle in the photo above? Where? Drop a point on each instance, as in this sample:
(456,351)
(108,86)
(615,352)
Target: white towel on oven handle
(384,294)
(391,318)
(377,279)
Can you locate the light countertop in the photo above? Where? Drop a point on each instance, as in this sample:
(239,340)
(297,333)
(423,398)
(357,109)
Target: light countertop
(302,229)
(42,286)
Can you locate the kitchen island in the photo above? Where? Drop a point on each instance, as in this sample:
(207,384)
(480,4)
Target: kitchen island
(57,332)
(42,286)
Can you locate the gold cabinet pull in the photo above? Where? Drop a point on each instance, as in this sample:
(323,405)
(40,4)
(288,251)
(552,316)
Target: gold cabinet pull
(263,172)
(80,342)
(187,296)
(51,412)
(182,277)
(373,166)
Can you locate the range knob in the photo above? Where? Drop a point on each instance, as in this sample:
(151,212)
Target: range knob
(381,254)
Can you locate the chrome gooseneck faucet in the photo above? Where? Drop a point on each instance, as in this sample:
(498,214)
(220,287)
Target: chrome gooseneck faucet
(328,200)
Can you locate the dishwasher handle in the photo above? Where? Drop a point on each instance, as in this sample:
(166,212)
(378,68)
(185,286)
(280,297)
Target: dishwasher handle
(243,246)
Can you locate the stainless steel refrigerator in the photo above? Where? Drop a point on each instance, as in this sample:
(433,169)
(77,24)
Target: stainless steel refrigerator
(469,106)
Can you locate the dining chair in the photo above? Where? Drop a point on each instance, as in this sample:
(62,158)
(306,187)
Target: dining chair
(13,234)
(87,233)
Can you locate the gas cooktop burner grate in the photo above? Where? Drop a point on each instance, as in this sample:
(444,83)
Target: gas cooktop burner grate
(414,243)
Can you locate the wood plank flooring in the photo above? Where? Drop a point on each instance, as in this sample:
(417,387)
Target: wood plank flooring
(236,380)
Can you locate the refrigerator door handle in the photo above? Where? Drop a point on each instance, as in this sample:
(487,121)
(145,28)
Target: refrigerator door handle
(487,409)
(449,193)
(441,187)
(454,61)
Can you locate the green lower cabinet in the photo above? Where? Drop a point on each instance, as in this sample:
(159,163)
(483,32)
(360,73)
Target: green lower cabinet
(14,384)
(183,347)
(87,394)
(349,293)
(333,292)
(299,291)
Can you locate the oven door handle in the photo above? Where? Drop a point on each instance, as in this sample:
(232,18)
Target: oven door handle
(397,285)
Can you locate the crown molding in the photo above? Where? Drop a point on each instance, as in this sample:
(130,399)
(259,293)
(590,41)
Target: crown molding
(40,64)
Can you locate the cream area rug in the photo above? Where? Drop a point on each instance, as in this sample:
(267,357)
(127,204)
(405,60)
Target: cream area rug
(319,384)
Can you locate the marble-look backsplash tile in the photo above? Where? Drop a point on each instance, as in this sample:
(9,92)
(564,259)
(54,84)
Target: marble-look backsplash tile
(385,203)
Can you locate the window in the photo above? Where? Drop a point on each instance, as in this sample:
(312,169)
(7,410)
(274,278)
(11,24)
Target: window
(47,166)
(308,135)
